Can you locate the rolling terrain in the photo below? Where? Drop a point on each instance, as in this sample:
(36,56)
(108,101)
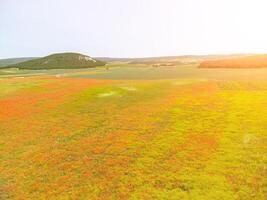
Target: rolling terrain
(59,61)
(76,60)
(12,61)
(186,59)
(133,131)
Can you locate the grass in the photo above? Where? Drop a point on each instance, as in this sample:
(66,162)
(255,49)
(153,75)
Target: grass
(63,138)
(124,71)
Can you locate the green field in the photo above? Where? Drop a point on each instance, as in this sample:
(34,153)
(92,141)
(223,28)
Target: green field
(143,72)
(174,133)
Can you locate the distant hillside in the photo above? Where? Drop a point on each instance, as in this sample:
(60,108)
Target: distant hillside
(108,59)
(255,61)
(172,59)
(187,59)
(12,61)
(59,61)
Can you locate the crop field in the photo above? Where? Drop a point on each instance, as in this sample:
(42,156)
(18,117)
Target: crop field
(190,139)
(127,71)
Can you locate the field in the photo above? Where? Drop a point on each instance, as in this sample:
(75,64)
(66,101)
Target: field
(251,61)
(125,71)
(164,133)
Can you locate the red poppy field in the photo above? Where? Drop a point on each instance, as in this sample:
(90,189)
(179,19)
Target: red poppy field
(63,138)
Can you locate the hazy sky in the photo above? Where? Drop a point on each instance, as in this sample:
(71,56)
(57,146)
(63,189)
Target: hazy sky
(132,28)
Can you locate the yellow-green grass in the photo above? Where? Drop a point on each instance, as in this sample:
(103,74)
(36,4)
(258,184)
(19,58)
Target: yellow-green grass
(173,139)
(142,72)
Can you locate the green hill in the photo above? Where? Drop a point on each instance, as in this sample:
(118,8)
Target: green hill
(59,61)
(12,61)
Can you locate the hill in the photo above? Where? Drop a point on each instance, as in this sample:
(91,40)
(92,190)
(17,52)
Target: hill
(171,59)
(59,61)
(254,61)
(12,61)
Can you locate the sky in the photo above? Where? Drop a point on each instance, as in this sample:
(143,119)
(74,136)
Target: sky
(132,28)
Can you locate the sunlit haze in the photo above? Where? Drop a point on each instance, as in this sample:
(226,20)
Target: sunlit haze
(132,28)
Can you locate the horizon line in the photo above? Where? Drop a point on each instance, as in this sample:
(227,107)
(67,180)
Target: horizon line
(141,57)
